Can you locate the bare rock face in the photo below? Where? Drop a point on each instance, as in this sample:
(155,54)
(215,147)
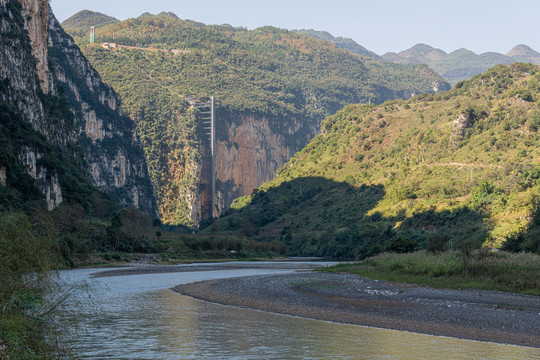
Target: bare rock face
(37,15)
(110,146)
(3,176)
(249,149)
(46,179)
(459,126)
(45,73)
(248,153)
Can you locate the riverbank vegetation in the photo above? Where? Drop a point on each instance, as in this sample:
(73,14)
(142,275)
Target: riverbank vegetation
(36,243)
(484,269)
(27,254)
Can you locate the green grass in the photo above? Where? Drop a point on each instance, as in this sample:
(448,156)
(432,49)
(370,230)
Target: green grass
(483,270)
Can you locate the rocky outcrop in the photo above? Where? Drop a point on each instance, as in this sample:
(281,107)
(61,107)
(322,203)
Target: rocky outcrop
(36,13)
(46,178)
(15,65)
(54,88)
(3,176)
(459,126)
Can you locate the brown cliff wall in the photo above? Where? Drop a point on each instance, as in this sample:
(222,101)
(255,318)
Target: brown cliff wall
(250,148)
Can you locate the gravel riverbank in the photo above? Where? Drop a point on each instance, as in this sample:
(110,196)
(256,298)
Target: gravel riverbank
(468,314)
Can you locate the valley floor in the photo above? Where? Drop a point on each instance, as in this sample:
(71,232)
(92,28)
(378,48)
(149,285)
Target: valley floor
(469,314)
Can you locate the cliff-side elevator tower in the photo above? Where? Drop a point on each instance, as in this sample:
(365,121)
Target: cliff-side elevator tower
(207,133)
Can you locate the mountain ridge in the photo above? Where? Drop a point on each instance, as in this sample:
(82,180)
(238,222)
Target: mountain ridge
(341,42)
(80,22)
(461,64)
(458,65)
(273,88)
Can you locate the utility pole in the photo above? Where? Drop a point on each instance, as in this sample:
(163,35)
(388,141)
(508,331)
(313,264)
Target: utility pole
(471,174)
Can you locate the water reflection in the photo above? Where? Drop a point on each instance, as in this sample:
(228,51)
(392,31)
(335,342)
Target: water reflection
(140,318)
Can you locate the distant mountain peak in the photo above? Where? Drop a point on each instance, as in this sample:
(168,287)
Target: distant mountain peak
(422,46)
(461,64)
(323,35)
(463,51)
(84,19)
(169,14)
(523,50)
(416,55)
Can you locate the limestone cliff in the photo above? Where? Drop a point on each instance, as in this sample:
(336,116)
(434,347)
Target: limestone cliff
(249,151)
(76,119)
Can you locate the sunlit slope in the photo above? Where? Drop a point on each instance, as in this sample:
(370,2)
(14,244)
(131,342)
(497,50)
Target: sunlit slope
(462,165)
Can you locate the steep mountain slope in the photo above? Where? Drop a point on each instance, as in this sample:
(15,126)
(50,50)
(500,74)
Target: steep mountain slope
(62,132)
(273,88)
(461,64)
(459,168)
(341,42)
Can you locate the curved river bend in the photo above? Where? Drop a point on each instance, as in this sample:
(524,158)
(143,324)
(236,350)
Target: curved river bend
(139,317)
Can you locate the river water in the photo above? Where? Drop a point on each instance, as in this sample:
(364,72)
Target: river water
(139,317)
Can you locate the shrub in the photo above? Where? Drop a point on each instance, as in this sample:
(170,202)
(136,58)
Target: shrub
(437,242)
(522,94)
(484,194)
(402,244)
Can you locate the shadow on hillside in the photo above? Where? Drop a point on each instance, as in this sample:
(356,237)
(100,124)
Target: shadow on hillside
(315,216)
(528,240)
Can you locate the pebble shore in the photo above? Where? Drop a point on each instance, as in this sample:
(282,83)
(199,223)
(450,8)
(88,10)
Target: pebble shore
(469,314)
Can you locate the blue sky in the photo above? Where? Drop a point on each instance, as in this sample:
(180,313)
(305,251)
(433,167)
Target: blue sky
(379,25)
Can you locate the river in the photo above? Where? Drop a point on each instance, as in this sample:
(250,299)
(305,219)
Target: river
(139,317)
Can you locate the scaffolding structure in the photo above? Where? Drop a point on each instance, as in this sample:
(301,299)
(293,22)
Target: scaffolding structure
(207,116)
(92,35)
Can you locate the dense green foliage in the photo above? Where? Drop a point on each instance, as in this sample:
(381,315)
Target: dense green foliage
(267,71)
(461,64)
(407,174)
(484,270)
(27,253)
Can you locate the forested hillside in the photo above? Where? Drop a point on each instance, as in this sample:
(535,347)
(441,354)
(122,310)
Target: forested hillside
(277,83)
(457,169)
